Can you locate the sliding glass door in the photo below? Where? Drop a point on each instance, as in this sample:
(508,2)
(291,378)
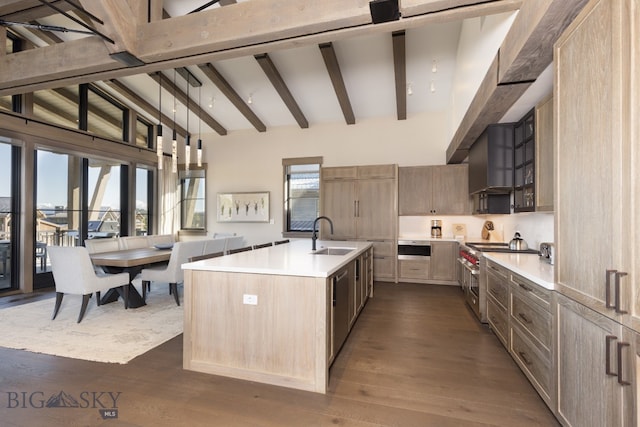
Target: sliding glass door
(9,161)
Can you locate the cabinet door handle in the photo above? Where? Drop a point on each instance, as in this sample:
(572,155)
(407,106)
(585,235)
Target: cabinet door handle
(523,317)
(619,274)
(358,209)
(620,347)
(607,288)
(608,340)
(355,210)
(334,291)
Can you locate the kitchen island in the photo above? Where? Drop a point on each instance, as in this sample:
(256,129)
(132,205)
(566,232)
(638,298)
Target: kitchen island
(270,315)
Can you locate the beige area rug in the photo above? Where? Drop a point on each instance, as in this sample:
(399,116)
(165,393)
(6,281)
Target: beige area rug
(108,333)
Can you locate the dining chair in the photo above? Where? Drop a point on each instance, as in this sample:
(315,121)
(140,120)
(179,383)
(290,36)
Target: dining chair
(41,254)
(73,273)
(237,250)
(281,242)
(214,245)
(172,272)
(234,242)
(134,242)
(206,256)
(263,245)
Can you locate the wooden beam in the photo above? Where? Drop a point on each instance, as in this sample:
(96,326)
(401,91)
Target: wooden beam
(29,10)
(3,41)
(400,69)
(280,86)
(155,10)
(227,90)
(487,107)
(120,22)
(85,61)
(528,46)
(129,94)
(193,106)
(46,36)
(419,7)
(526,51)
(333,68)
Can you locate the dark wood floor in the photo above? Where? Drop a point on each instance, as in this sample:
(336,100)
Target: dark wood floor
(416,357)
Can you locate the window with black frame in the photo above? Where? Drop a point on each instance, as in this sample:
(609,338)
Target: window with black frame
(193,214)
(301,195)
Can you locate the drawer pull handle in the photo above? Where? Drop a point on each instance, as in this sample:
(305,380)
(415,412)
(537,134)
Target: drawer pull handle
(525,287)
(619,274)
(524,318)
(620,347)
(607,289)
(608,340)
(523,356)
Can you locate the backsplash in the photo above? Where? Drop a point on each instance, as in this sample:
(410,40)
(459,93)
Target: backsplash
(535,227)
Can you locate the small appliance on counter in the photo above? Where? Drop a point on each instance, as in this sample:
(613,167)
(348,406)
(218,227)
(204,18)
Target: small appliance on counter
(547,252)
(436,228)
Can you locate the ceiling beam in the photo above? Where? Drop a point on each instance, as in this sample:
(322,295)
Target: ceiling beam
(280,86)
(193,106)
(29,10)
(124,91)
(410,8)
(86,61)
(400,69)
(227,90)
(119,23)
(333,68)
(524,54)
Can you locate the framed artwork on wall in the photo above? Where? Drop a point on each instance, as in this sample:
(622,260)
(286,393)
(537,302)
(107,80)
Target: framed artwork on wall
(243,207)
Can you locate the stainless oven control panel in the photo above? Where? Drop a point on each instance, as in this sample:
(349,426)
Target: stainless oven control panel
(414,249)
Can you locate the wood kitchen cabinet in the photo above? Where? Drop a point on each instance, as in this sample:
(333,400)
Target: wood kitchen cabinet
(362,204)
(430,190)
(544,155)
(596,368)
(498,301)
(440,267)
(598,178)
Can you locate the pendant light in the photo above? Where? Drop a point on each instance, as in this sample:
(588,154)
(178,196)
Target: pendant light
(199,152)
(187,141)
(174,142)
(159,129)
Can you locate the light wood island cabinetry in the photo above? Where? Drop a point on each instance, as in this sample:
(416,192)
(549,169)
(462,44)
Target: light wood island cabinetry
(269,315)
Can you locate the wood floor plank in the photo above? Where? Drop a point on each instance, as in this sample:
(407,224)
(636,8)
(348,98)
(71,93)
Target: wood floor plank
(416,357)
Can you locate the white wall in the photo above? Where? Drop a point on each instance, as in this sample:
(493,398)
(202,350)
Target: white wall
(252,161)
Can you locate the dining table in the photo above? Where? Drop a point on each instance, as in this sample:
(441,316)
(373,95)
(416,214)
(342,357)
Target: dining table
(131,261)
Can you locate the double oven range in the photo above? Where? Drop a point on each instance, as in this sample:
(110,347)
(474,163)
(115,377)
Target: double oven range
(472,273)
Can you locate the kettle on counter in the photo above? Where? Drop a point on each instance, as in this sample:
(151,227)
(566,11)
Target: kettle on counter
(518,243)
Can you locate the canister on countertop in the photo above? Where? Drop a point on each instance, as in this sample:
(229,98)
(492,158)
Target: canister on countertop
(436,228)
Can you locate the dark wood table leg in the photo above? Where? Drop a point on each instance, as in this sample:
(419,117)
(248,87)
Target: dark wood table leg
(134,297)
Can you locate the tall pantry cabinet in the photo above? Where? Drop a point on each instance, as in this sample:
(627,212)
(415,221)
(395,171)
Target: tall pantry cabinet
(597,217)
(362,201)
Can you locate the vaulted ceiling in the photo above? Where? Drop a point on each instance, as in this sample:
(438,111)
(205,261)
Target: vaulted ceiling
(260,63)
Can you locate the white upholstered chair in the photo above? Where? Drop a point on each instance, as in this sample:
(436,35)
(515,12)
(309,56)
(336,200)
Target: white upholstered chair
(134,242)
(212,246)
(235,242)
(73,273)
(172,272)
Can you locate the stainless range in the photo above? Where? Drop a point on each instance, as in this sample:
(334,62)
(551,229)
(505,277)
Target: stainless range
(472,273)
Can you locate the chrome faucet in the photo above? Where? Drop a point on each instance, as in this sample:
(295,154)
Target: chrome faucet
(314,236)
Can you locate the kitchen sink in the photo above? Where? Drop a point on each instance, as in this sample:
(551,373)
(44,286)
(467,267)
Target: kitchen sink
(332,251)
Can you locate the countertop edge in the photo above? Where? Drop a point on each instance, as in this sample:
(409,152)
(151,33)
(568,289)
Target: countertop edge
(533,269)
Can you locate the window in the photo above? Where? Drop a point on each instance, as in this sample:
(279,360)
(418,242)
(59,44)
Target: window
(301,194)
(193,214)
(144,133)
(144,202)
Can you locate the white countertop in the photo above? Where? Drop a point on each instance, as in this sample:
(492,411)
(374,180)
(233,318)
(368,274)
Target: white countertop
(528,266)
(424,238)
(290,259)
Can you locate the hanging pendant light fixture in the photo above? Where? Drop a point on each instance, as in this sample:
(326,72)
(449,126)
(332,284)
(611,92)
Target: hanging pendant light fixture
(159,128)
(187,141)
(174,142)
(199,151)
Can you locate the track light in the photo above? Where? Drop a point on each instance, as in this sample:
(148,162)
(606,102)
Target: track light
(434,66)
(409,90)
